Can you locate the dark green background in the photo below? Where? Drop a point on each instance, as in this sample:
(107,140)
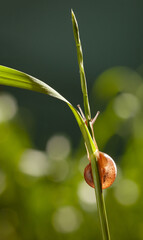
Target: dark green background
(36,37)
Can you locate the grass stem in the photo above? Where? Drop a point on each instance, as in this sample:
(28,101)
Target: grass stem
(94,163)
(81,68)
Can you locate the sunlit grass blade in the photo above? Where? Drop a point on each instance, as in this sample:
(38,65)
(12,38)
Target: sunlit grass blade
(14,78)
(94,165)
(81,68)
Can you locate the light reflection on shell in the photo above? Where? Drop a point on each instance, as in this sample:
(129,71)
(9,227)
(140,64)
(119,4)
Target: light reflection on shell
(107,170)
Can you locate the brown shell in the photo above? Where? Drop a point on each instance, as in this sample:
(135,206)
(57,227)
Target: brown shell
(107,170)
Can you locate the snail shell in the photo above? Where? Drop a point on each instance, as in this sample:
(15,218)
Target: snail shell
(107,171)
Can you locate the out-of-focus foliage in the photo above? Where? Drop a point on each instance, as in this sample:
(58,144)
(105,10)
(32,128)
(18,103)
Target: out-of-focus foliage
(119,131)
(43,194)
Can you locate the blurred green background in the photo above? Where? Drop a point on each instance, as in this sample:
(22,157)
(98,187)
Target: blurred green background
(42,157)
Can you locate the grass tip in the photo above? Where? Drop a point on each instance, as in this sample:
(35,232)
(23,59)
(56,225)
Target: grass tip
(72,12)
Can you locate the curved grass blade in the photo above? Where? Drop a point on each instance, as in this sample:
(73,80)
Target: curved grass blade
(15,78)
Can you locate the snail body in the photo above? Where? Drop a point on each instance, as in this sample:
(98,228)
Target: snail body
(107,170)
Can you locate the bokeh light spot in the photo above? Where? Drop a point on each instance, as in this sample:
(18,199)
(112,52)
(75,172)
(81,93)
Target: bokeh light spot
(8,107)
(34,163)
(126,105)
(126,192)
(67,219)
(58,147)
(86,196)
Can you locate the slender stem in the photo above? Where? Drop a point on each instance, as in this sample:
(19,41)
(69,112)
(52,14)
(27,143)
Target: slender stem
(100,199)
(93,157)
(81,68)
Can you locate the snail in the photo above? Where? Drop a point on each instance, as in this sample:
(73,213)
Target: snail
(107,170)
(106,165)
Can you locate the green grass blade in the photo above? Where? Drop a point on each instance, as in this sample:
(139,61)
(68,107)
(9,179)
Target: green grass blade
(81,68)
(94,165)
(98,191)
(85,132)
(14,78)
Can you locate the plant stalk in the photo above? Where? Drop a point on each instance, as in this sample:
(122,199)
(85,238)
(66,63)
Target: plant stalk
(93,158)
(81,68)
(100,199)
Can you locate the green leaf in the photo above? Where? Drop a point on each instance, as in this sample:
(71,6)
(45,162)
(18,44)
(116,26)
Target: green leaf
(14,78)
(81,68)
